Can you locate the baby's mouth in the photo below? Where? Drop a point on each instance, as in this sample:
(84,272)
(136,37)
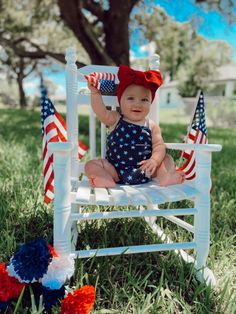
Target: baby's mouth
(136,110)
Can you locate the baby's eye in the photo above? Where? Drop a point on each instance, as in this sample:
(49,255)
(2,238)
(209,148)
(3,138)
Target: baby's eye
(130,98)
(145,99)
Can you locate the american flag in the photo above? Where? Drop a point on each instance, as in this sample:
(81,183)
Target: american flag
(53,130)
(105,82)
(197,134)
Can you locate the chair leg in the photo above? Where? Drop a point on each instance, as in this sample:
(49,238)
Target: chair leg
(202,239)
(62,204)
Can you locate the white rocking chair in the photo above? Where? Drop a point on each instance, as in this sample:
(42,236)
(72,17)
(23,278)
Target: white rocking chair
(71,194)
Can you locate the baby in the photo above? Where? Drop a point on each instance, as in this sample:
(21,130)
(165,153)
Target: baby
(136,151)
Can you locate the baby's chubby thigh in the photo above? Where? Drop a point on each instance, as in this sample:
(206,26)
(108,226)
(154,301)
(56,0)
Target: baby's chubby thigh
(101,173)
(110,169)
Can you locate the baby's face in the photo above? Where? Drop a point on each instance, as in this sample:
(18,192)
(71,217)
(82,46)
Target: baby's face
(135,103)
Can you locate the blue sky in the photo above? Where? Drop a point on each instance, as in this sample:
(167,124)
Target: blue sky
(210,24)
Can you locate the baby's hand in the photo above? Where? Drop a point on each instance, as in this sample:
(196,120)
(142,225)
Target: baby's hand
(149,166)
(92,88)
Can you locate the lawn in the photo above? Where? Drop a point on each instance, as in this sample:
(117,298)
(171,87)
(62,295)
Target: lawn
(142,283)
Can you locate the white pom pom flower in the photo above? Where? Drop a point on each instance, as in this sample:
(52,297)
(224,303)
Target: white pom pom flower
(59,270)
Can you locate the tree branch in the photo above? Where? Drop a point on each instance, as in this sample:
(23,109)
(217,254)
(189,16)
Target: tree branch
(39,53)
(73,16)
(94,7)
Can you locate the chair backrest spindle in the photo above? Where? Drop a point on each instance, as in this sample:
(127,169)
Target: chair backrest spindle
(72,110)
(154,64)
(92,133)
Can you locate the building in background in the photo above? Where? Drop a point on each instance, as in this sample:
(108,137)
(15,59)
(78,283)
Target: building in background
(223,86)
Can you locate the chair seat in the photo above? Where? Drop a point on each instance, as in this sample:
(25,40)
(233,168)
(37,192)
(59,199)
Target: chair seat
(130,195)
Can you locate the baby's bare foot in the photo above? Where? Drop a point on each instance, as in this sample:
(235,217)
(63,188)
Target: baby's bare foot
(170,178)
(101,182)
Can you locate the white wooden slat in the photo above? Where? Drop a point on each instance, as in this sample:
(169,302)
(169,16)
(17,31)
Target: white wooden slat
(95,68)
(187,191)
(86,100)
(83,195)
(92,133)
(135,196)
(142,194)
(196,147)
(134,213)
(103,140)
(151,194)
(170,193)
(134,249)
(101,196)
(118,196)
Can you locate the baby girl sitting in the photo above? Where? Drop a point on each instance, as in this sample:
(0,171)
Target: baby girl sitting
(136,151)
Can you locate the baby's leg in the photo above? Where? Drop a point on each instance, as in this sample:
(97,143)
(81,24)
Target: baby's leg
(166,174)
(101,173)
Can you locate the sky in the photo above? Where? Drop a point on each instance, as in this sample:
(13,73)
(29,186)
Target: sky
(210,24)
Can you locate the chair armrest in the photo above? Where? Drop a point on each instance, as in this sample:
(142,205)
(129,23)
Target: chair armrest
(196,147)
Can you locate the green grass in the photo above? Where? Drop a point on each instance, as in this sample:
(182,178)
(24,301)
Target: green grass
(141,283)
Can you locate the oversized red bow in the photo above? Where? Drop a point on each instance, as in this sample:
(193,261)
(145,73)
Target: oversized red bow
(150,79)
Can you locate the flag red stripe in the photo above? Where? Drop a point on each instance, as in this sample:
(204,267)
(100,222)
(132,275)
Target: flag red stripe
(49,182)
(48,164)
(62,121)
(192,177)
(190,169)
(53,139)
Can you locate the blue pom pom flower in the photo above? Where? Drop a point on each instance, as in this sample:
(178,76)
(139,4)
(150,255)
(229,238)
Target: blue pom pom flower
(30,262)
(4,306)
(52,297)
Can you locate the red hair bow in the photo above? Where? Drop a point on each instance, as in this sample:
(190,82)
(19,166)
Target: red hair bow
(150,79)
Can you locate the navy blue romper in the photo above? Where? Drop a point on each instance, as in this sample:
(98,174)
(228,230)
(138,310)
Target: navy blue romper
(128,144)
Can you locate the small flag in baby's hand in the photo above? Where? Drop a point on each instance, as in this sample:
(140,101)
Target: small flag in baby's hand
(105,82)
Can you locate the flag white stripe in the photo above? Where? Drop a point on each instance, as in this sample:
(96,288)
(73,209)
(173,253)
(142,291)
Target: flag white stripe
(50,194)
(81,150)
(60,127)
(52,133)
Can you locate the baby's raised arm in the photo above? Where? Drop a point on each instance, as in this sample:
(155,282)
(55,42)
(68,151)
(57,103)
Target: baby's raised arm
(107,117)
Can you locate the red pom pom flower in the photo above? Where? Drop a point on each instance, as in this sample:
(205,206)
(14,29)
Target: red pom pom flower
(80,302)
(10,287)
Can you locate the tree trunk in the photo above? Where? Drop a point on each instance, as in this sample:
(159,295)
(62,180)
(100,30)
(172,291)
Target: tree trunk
(115,22)
(22,97)
(116,28)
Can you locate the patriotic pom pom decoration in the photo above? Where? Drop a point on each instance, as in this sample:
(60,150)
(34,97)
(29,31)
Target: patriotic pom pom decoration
(60,269)
(10,287)
(52,297)
(81,301)
(31,260)
(4,306)
(37,263)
